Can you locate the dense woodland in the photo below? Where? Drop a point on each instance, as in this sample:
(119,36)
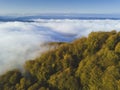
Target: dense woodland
(88,63)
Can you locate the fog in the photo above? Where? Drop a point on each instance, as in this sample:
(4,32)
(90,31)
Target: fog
(21,41)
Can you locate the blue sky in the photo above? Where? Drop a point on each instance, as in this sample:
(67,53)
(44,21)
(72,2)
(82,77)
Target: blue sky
(59,6)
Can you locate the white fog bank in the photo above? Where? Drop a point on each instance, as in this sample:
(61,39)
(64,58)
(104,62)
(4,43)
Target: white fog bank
(21,41)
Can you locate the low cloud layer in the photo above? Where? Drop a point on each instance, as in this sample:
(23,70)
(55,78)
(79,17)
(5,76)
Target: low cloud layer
(21,41)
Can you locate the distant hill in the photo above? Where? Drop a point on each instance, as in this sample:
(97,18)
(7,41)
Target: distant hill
(88,63)
(29,18)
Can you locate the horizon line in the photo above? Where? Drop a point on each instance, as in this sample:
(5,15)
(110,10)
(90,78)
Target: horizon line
(28,14)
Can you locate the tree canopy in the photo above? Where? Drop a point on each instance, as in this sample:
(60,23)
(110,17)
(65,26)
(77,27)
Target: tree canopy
(87,63)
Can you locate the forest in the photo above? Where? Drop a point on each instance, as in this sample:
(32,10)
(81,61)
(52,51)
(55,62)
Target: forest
(87,63)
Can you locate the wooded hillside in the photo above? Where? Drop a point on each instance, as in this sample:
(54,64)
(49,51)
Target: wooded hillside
(88,63)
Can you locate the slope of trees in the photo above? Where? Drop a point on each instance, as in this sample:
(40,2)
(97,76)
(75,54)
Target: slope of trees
(88,63)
